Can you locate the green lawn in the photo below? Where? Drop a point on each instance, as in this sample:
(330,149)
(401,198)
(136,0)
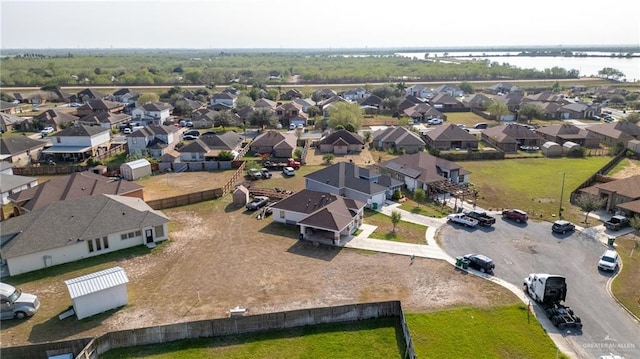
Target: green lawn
(626,286)
(405,231)
(504,332)
(532,184)
(378,338)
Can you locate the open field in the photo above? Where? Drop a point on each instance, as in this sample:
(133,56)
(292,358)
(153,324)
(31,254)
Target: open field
(626,286)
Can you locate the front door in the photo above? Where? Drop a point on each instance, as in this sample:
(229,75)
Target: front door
(148,234)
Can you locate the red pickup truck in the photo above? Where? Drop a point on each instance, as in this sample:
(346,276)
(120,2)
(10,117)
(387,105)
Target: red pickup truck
(515,214)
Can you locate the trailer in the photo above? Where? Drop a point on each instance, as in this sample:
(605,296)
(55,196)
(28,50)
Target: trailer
(550,291)
(279,165)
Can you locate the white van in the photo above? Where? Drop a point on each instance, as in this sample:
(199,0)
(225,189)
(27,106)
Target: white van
(16,304)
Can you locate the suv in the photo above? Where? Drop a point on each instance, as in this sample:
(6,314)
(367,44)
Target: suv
(515,214)
(480,262)
(562,226)
(608,260)
(16,304)
(288,171)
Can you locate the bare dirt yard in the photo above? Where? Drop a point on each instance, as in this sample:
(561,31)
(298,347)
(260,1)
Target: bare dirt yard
(220,256)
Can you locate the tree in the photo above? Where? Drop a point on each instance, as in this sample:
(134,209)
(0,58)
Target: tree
(192,76)
(611,74)
(530,111)
(342,113)
(395,219)
(588,203)
(497,109)
(148,97)
(226,155)
(616,99)
(466,87)
(328,158)
(367,136)
(633,117)
(419,195)
(223,118)
(314,111)
(263,118)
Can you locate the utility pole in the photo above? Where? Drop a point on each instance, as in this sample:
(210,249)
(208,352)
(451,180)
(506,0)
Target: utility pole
(561,195)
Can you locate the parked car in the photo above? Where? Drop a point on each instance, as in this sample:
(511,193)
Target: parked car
(189,137)
(74,104)
(480,125)
(265,173)
(480,262)
(17,304)
(288,171)
(435,121)
(609,260)
(257,203)
(127,130)
(292,126)
(254,173)
(562,226)
(47,130)
(515,214)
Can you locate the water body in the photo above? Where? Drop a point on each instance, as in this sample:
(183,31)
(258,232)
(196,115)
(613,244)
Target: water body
(587,66)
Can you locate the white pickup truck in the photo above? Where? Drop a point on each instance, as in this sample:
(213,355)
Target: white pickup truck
(463,219)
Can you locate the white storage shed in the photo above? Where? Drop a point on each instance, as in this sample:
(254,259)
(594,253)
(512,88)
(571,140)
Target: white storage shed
(135,169)
(98,292)
(569,147)
(551,149)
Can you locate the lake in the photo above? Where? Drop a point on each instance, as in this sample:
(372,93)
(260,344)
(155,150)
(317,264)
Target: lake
(587,66)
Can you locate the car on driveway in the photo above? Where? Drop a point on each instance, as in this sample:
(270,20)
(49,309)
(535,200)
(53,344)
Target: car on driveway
(608,260)
(562,226)
(288,171)
(480,262)
(515,215)
(435,121)
(257,203)
(47,130)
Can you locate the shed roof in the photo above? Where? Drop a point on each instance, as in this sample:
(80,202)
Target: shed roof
(96,282)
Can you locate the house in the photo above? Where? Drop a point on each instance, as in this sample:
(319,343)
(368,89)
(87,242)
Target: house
(10,184)
(503,88)
(621,195)
(327,104)
(78,228)
(20,150)
(423,112)
(75,185)
(351,181)
(323,94)
(134,170)
(509,138)
(274,143)
(569,132)
(616,132)
(93,107)
(228,99)
(53,118)
(550,110)
(341,142)
(291,112)
(9,108)
(125,95)
(87,95)
(208,147)
(578,110)
(203,118)
(152,113)
(10,122)
(291,94)
(155,140)
(320,213)
(371,101)
(450,137)
(451,90)
(354,95)
(422,170)
(78,142)
(263,103)
(408,101)
(106,120)
(398,139)
(444,102)
(304,103)
(98,292)
(420,91)
(477,101)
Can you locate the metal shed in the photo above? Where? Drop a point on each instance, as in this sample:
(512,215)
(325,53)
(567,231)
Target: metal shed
(98,292)
(551,149)
(135,169)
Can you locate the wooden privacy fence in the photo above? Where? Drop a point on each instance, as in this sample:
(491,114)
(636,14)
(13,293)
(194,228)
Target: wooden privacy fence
(233,325)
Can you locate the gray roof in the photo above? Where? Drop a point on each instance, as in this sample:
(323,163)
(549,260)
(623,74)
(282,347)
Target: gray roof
(96,282)
(81,131)
(399,136)
(18,144)
(348,137)
(346,175)
(157,106)
(421,165)
(65,222)
(10,182)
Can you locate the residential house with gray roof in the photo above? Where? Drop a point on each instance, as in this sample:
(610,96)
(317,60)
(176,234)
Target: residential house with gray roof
(620,194)
(422,170)
(106,120)
(11,184)
(616,132)
(20,150)
(83,227)
(423,112)
(398,139)
(155,140)
(450,137)
(152,113)
(77,184)
(510,137)
(226,99)
(93,107)
(208,147)
(569,132)
(9,122)
(349,180)
(52,118)
(578,110)
(78,142)
(320,214)
(444,102)
(341,142)
(451,90)
(274,144)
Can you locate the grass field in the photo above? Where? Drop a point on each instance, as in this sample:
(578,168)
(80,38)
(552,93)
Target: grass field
(626,286)
(532,184)
(405,231)
(503,332)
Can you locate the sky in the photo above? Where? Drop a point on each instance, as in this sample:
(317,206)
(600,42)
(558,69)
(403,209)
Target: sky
(334,24)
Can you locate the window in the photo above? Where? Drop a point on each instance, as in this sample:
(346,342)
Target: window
(90,244)
(105,242)
(123,236)
(159,231)
(131,234)
(98,244)
(138,233)
(281,214)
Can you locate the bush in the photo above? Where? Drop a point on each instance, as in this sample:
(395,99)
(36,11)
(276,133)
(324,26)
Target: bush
(397,194)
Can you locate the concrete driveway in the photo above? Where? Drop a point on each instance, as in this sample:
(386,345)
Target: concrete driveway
(520,249)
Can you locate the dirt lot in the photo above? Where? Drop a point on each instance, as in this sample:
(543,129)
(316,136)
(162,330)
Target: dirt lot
(220,257)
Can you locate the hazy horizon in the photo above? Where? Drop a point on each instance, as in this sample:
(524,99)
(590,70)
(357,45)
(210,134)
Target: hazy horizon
(288,24)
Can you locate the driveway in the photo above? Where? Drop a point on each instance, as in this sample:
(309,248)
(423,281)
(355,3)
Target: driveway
(520,249)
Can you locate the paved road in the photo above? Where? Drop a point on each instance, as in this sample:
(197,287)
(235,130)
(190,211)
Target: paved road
(519,250)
